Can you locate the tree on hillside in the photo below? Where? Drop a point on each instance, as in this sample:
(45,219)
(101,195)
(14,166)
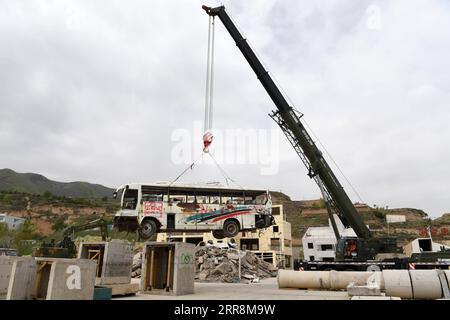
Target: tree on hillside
(48,194)
(4,231)
(5,235)
(59,224)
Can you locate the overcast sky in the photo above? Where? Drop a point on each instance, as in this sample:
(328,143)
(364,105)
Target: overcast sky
(94,90)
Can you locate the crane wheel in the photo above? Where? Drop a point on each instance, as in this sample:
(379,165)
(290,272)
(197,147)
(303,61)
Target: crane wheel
(373,267)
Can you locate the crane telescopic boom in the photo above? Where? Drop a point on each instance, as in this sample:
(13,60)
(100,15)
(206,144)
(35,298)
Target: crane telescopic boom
(289,121)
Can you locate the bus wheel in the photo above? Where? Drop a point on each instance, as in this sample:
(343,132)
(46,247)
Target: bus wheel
(147,229)
(218,234)
(230,228)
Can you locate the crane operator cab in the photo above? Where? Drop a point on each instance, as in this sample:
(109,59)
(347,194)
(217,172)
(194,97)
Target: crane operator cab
(354,249)
(350,249)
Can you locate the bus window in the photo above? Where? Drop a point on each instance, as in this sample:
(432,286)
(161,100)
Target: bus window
(238,200)
(191,199)
(177,198)
(250,200)
(152,197)
(202,199)
(261,199)
(226,200)
(130,199)
(214,200)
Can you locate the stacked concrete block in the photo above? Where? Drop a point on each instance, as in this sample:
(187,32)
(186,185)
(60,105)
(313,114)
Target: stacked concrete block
(22,279)
(168,268)
(16,277)
(114,260)
(64,279)
(6,264)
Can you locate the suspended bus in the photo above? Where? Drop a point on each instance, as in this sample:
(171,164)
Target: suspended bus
(161,207)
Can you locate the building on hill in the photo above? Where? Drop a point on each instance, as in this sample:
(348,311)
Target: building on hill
(319,243)
(13,223)
(273,244)
(421,245)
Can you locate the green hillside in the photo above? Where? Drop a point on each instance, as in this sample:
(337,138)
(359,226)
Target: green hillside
(38,184)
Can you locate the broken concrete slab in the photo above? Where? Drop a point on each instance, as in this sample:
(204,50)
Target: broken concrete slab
(355,290)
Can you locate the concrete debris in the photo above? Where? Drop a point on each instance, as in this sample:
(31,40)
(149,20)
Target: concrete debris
(222,265)
(367,290)
(137,265)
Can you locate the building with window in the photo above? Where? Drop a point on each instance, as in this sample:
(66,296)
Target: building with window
(319,243)
(273,244)
(13,223)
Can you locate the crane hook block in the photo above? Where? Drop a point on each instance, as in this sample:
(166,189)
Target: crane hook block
(206,8)
(207,140)
(212,11)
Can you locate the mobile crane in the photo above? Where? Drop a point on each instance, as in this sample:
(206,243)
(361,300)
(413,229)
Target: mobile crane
(360,251)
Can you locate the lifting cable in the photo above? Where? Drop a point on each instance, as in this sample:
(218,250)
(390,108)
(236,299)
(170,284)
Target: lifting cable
(222,171)
(225,175)
(207,136)
(191,166)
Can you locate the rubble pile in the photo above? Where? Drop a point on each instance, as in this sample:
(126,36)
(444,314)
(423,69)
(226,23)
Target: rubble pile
(213,264)
(222,265)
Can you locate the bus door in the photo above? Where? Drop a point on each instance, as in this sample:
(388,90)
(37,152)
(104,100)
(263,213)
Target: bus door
(170,220)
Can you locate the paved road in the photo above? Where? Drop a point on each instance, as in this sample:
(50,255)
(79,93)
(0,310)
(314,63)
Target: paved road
(267,289)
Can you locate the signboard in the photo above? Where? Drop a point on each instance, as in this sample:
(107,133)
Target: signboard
(393,218)
(153,208)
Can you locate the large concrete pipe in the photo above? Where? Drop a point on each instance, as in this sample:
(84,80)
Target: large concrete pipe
(341,279)
(425,284)
(447,275)
(331,280)
(303,279)
(406,284)
(398,283)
